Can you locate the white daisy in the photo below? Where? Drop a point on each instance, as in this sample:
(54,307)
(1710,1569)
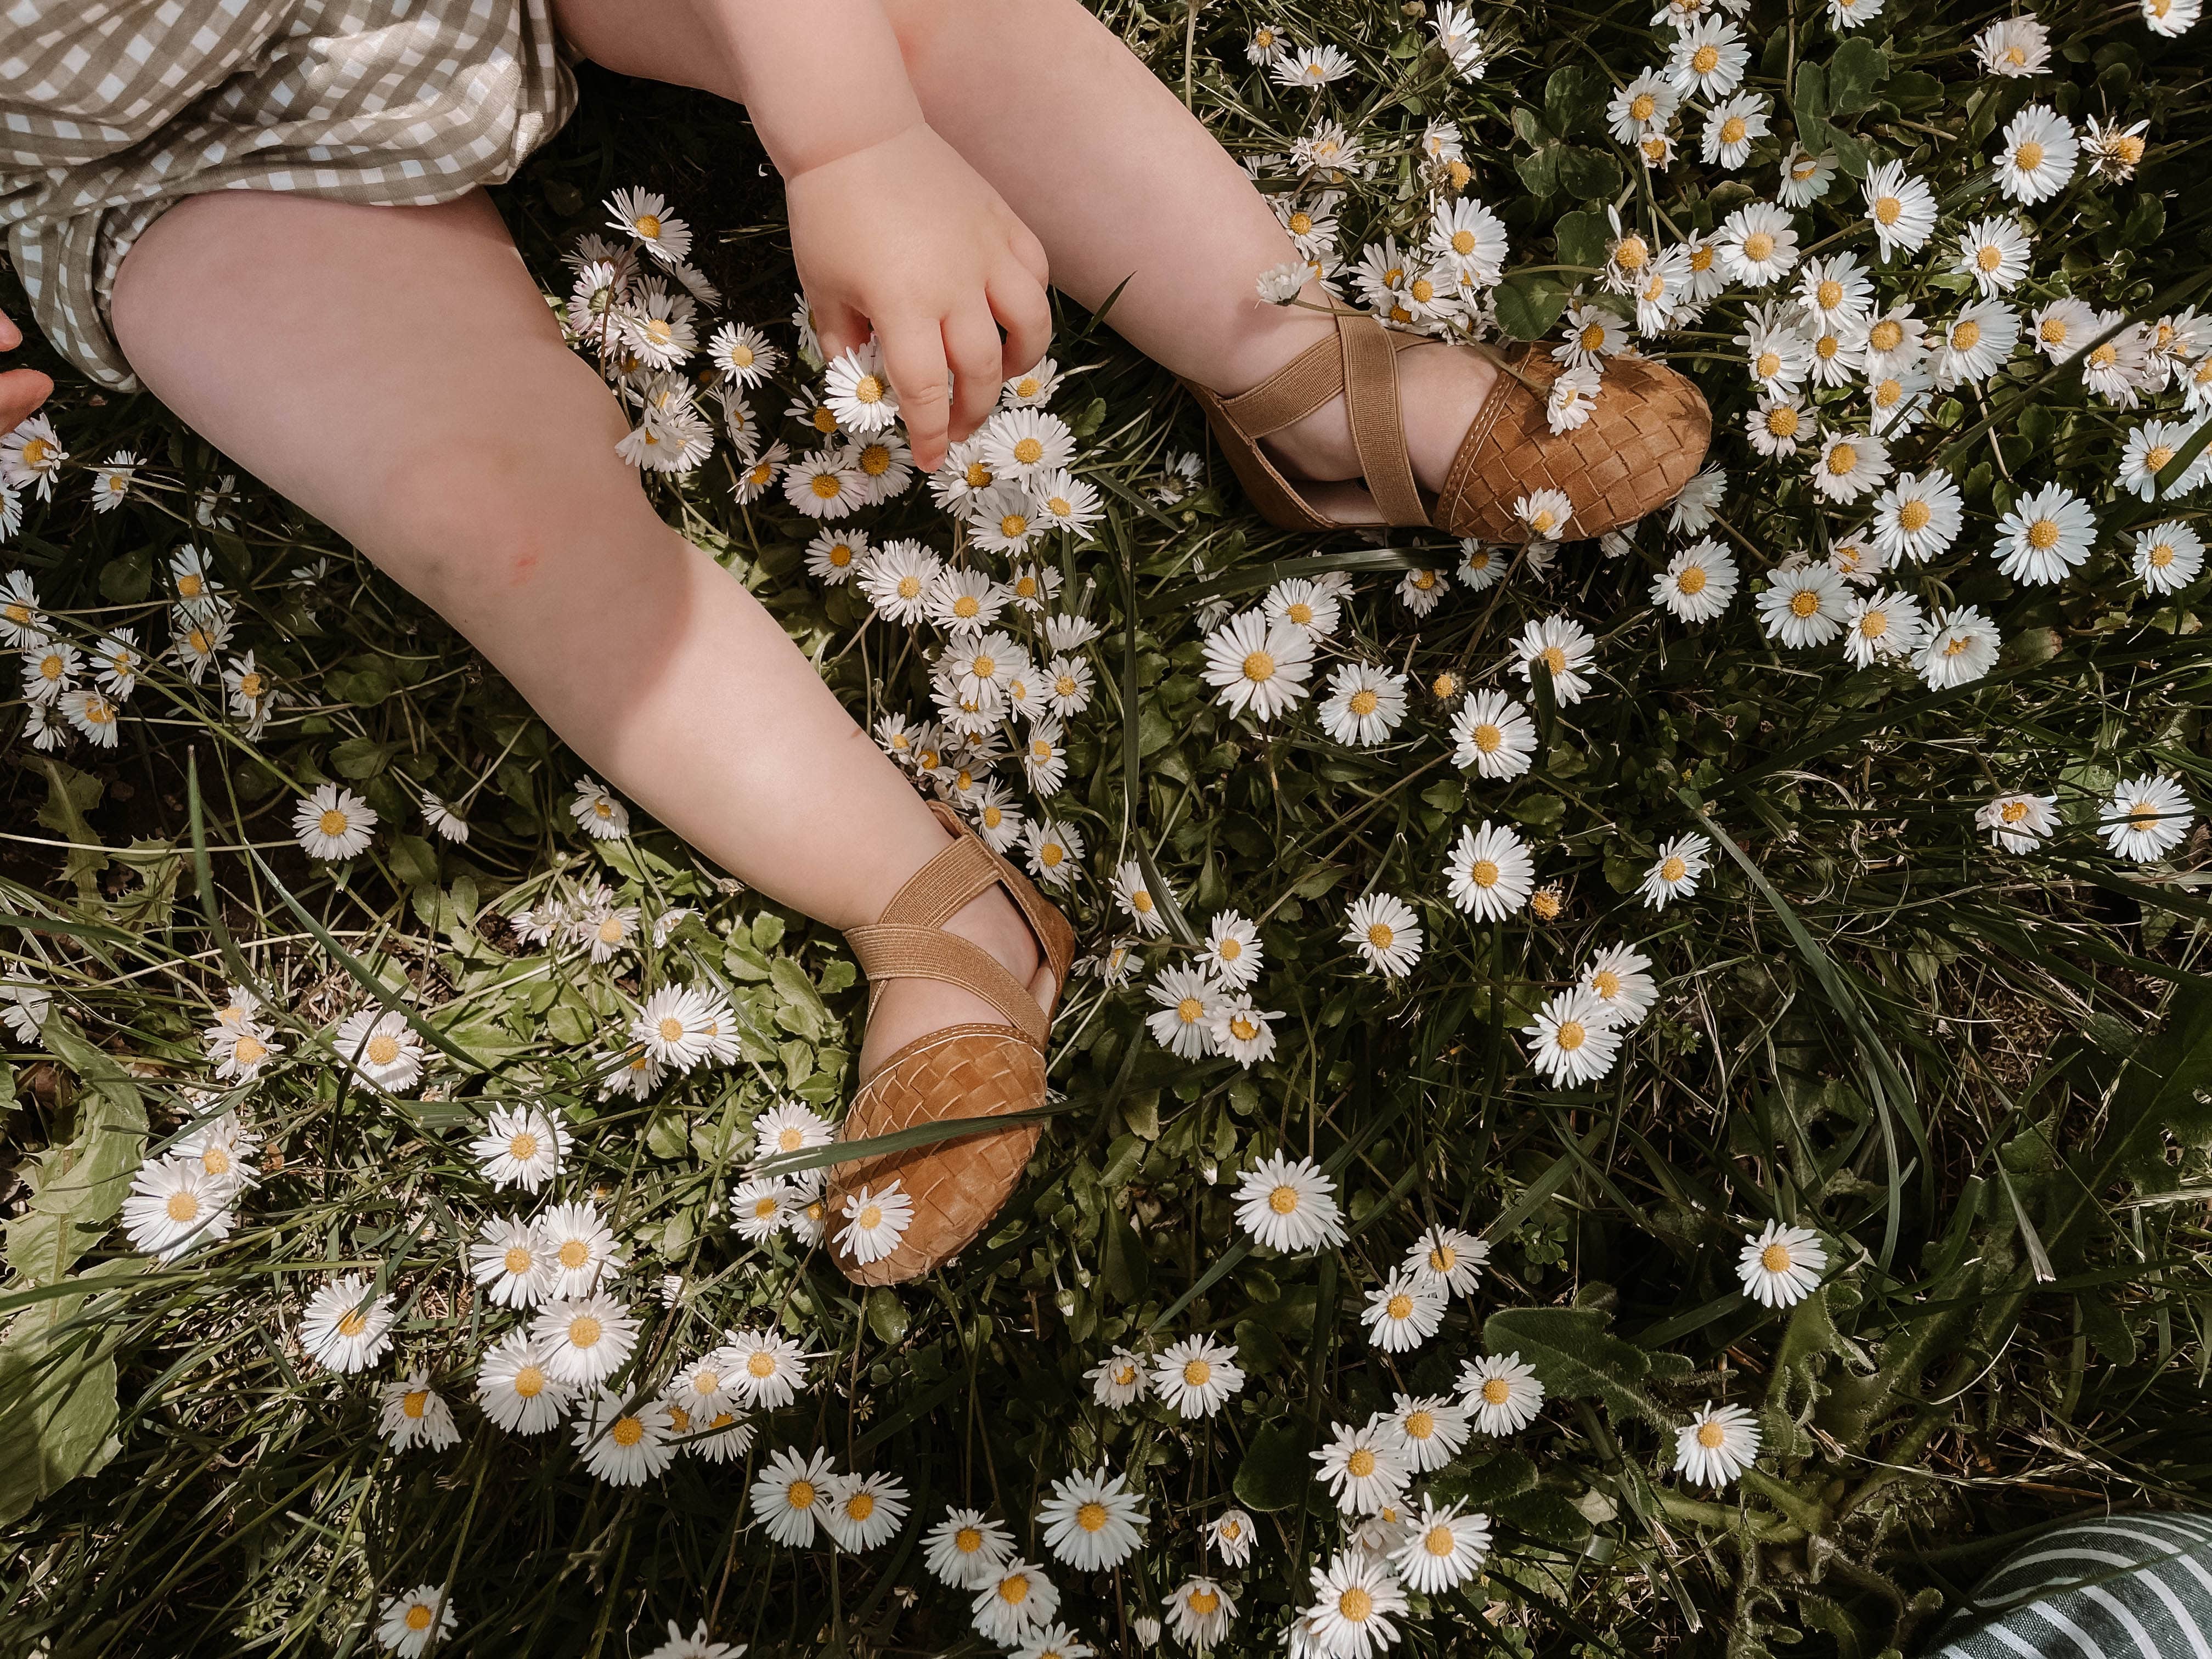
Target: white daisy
(1716,1445)
(1881,627)
(1490,872)
(412,1413)
(509,1259)
(1698,582)
(1093,1522)
(1504,1393)
(1363,1468)
(516,1388)
(1258,667)
(380,1049)
(1117,1380)
(863,1511)
(2147,818)
(1574,1039)
(1402,1313)
(1432,1429)
(521,1146)
(1675,873)
(1354,1597)
(1289,1205)
(874,1222)
(1385,931)
(1493,734)
(792,1495)
(333,822)
(1364,704)
(1993,251)
(2168,556)
(1565,648)
(1017,1598)
(766,1370)
(1804,606)
(407,1623)
(1961,645)
(644,215)
(586,1339)
(175,1206)
(2046,534)
(1189,1000)
(1707,58)
(2019,822)
(597,811)
(1901,208)
(345,1327)
(1196,1375)
(1443,1547)
(1781,1266)
(2038,155)
(965,1549)
(1231,1535)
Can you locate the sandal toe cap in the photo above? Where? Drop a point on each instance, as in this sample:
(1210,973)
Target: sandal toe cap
(957,1186)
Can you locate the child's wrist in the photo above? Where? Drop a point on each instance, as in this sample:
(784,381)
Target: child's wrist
(846,144)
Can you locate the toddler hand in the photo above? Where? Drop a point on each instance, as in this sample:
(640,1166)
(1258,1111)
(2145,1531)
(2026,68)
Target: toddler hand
(23,390)
(905,236)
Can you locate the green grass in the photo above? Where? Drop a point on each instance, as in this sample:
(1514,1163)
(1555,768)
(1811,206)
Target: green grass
(1979,1076)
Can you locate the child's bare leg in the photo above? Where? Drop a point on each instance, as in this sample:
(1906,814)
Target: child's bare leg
(394,372)
(1114,175)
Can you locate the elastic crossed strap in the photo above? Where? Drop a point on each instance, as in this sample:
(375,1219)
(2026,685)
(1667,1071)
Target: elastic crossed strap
(1361,362)
(908,940)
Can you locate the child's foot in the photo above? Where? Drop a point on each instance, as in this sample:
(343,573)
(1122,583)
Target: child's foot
(1440,388)
(904,1009)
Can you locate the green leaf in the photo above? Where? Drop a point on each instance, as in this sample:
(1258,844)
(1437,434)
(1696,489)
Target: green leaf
(128,580)
(1275,1470)
(1546,1514)
(414,860)
(800,1007)
(1485,1484)
(1530,304)
(1126,1267)
(1582,236)
(1576,1357)
(1858,67)
(69,795)
(886,1315)
(1588,174)
(362,757)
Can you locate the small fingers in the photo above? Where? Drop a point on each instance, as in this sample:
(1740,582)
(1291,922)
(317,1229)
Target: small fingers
(1024,311)
(21,391)
(838,328)
(971,345)
(914,355)
(1030,252)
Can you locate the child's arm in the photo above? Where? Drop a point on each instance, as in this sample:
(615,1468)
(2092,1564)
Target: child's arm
(889,226)
(22,390)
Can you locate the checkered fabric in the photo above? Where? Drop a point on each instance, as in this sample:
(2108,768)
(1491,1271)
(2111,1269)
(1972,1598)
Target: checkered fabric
(112,109)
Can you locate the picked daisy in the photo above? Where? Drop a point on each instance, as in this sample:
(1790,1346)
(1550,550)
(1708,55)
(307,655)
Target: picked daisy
(874,1222)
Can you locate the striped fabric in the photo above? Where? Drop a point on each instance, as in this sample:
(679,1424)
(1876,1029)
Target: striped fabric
(111,110)
(2126,1586)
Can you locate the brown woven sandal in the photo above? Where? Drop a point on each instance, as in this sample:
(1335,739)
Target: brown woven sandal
(961,1071)
(1646,437)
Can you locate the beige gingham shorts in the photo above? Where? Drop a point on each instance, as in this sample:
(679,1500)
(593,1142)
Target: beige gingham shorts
(111,110)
